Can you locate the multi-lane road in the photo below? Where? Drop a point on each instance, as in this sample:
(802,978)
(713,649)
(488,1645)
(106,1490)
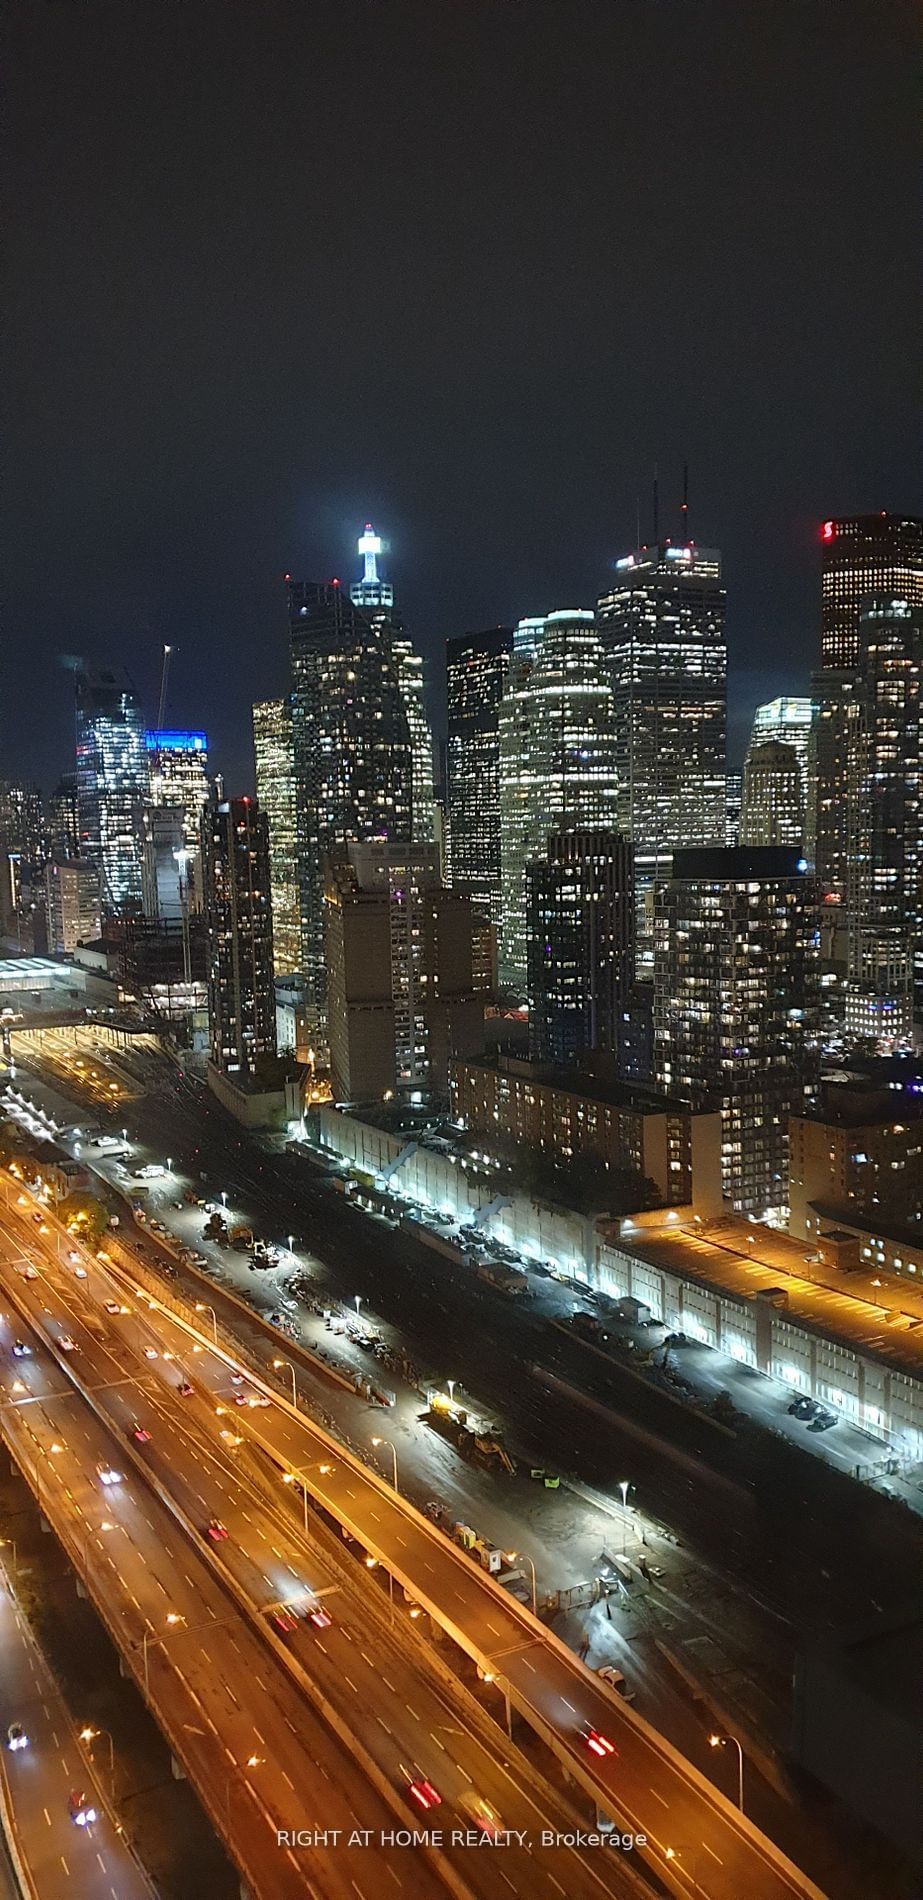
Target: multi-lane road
(59,1856)
(201,1449)
(647,1787)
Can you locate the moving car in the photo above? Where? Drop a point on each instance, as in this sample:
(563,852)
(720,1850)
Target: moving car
(598,1744)
(423,1793)
(185,1389)
(66,1343)
(215,1530)
(282,1620)
(480,1812)
(80,1808)
(139,1433)
(16,1737)
(320,1617)
(29,1272)
(108,1475)
(21,1350)
(112,1306)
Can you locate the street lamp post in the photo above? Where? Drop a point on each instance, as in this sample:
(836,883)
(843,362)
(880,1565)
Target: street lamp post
(387,1441)
(278,1364)
(291,1245)
(722,1741)
(224,1198)
(520,1557)
(358,1299)
(203,1307)
(91,1735)
(291,1477)
(624,1487)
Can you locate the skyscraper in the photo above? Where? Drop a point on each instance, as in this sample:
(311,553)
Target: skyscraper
(375,597)
(733,799)
(557,770)
(63,827)
(788,721)
(238,910)
(661,624)
(772,809)
(178,773)
(401,996)
(273,751)
(352,750)
(884,888)
(735,1002)
(860,555)
(24,847)
(581,945)
(476,669)
(112,783)
(72,905)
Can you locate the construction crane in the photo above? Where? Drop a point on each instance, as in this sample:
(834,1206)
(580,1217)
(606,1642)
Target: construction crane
(165,674)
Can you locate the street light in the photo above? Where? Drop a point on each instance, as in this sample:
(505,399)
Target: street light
(387,1441)
(624,1486)
(358,1299)
(519,1556)
(278,1364)
(451,1385)
(202,1306)
(722,1741)
(224,1197)
(292,1477)
(90,1735)
(291,1245)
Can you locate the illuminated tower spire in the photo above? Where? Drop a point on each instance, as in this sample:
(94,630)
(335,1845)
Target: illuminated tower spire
(369,545)
(371,592)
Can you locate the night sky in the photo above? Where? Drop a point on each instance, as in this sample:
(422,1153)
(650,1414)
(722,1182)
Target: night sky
(468,268)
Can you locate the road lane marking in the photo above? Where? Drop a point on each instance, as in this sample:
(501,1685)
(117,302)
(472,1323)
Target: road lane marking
(711,1851)
(659,1797)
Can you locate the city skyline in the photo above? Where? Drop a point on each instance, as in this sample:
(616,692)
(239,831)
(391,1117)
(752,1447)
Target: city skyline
(228,425)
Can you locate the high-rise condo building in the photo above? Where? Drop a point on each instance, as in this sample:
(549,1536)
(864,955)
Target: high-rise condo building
(662,627)
(884,772)
(401,996)
(477,665)
(860,555)
(24,847)
(72,905)
(557,770)
(238,912)
(735,1005)
(772,809)
(733,799)
(352,749)
(273,751)
(581,945)
(112,783)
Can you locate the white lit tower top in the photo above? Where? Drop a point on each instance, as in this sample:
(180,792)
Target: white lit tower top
(371,591)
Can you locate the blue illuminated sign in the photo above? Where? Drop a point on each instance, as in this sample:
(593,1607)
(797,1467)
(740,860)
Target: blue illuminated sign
(176,741)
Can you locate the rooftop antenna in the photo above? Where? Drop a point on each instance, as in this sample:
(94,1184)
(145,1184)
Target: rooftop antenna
(164,676)
(656,508)
(684,510)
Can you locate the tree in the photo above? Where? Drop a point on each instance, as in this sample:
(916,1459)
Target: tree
(84,1216)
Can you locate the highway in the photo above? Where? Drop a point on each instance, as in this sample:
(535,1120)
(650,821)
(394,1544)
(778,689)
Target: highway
(260,1757)
(652,1790)
(647,1787)
(40,1778)
(212,1468)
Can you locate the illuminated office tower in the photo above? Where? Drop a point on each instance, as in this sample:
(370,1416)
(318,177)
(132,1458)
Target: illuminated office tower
(860,555)
(477,665)
(238,913)
(352,750)
(557,769)
(788,721)
(178,772)
(24,847)
(733,799)
(273,752)
(884,873)
(375,597)
(772,808)
(63,828)
(735,1005)
(112,783)
(581,945)
(661,624)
